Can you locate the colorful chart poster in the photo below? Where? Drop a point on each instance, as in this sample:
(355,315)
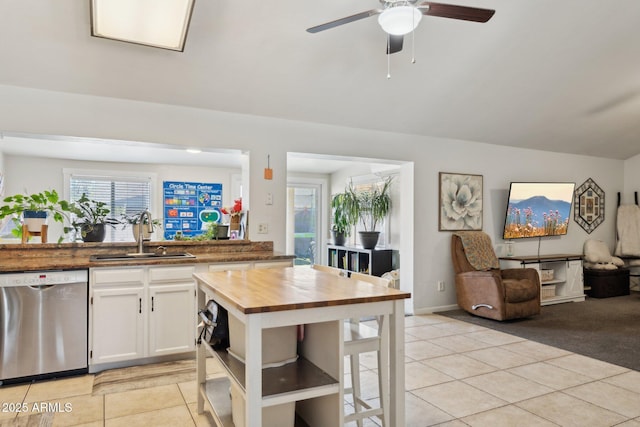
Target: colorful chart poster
(189,207)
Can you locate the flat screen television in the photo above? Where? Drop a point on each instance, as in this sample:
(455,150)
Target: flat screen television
(538,209)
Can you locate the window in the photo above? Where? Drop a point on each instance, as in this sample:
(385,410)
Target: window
(124,195)
(302,222)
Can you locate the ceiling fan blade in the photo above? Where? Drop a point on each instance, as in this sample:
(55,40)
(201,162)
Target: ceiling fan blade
(394,44)
(452,11)
(344,20)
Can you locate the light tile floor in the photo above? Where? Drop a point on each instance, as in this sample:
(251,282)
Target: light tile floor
(457,374)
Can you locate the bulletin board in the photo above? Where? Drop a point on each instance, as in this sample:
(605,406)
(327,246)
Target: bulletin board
(190,206)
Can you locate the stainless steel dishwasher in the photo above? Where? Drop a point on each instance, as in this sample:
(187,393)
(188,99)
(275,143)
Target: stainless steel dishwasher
(43,324)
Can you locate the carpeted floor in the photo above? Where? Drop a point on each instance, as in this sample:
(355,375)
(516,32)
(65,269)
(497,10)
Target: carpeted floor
(606,329)
(136,377)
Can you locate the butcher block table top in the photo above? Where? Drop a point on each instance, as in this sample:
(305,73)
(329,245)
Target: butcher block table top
(293,288)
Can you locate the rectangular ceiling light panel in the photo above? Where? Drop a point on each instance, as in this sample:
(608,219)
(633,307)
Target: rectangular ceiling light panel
(157,23)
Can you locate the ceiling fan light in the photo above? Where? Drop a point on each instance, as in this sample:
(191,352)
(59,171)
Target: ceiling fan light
(399,20)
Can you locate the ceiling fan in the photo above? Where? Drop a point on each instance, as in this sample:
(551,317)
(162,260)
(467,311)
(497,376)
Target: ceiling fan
(400,17)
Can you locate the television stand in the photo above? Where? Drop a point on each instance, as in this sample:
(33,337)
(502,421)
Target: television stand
(560,275)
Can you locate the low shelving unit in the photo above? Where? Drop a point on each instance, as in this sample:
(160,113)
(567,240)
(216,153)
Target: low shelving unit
(367,261)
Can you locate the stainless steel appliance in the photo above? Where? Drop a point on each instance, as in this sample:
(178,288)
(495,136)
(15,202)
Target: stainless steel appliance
(43,324)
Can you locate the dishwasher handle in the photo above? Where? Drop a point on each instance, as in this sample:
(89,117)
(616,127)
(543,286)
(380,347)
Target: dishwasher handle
(41,287)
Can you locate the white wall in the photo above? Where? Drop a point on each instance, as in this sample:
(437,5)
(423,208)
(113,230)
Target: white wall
(2,171)
(51,113)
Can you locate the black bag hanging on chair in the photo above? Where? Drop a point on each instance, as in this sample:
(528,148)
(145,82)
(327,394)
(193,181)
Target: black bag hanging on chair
(215,321)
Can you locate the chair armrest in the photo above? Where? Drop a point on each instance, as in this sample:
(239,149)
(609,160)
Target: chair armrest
(521,274)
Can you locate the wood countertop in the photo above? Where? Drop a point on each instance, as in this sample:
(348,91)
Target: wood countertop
(63,256)
(268,290)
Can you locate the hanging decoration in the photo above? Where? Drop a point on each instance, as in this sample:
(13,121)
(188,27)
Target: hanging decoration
(588,205)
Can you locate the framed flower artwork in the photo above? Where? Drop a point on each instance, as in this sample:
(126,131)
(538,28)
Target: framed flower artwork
(460,205)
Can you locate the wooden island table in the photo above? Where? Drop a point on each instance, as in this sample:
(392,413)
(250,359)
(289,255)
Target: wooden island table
(271,298)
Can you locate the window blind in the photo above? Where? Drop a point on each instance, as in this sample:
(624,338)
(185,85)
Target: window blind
(122,195)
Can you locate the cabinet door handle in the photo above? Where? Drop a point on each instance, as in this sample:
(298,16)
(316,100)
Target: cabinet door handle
(140,309)
(152,305)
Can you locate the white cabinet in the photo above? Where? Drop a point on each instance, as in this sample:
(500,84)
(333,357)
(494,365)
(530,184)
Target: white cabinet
(117,329)
(560,276)
(138,312)
(116,315)
(172,299)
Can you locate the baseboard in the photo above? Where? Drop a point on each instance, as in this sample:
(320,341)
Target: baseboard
(436,309)
(96,368)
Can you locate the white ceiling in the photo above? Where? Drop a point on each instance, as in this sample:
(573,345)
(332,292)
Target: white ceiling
(550,75)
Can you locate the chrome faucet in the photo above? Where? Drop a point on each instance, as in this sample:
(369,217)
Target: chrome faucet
(144,214)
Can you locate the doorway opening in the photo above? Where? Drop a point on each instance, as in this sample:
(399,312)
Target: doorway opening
(303,221)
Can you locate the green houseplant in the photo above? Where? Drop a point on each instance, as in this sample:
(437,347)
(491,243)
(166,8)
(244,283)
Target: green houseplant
(370,207)
(37,207)
(91,218)
(134,221)
(214,231)
(343,217)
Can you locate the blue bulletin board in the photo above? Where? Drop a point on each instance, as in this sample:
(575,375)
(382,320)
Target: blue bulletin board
(190,206)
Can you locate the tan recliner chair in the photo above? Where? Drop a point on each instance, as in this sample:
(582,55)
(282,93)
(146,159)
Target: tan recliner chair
(485,290)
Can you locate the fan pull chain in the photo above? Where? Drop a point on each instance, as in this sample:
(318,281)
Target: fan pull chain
(413,40)
(413,47)
(388,57)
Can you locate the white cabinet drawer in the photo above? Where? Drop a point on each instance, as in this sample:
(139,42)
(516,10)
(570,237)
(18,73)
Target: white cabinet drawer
(170,274)
(117,276)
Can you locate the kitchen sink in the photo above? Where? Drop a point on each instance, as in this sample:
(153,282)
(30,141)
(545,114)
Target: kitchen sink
(143,255)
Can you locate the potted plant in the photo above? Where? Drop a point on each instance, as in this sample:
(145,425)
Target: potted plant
(91,218)
(343,217)
(370,207)
(235,214)
(134,222)
(213,231)
(35,209)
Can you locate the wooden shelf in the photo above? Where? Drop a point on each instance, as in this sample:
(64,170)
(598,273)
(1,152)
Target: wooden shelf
(302,378)
(294,381)
(217,390)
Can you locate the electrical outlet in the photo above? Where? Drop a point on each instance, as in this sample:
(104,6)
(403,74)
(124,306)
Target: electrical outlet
(269,199)
(441,285)
(263,228)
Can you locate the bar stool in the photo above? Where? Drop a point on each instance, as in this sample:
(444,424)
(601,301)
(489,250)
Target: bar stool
(331,270)
(360,338)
